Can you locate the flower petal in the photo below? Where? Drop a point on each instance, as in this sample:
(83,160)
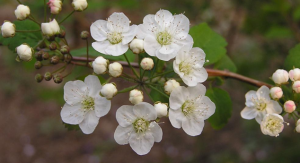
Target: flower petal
(200,75)
(176,117)
(141,143)
(260,116)
(156,131)
(205,108)
(249,96)
(165,53)
(102,106)
(118,22)
(94,85)
(72,114)
(99,30)
(73,91)
(263,92)
(125,115)
(116,49)
(101,46)
(249,113)
(122,134)
(180,26)
(151,45)
(148,27)
(89,123)
(164,18)
(145,110)
(178,97)
(196,91)
(129,35)
(192,126)
(273,107)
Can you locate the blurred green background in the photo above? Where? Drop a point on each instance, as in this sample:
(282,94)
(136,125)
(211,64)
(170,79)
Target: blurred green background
(259,35)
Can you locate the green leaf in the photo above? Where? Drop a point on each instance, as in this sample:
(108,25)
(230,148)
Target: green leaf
(212,43)
(293,59)
(94,53)
(279,32)
(225,63)
(223,107)
(157,96)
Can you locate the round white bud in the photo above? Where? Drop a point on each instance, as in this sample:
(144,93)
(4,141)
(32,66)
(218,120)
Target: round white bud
(137,46)
(170,85)
(289,106)
(79,5)
(55,6)
(109,90)
(161,109)
(280,76)
(22,12)
(298,122)
(100,65)
(8,29)
(24,52)
(136,96)
(276,92)
(51,28)
(296,86)
(297,128)
(294,74)
(147,63)
(115,69)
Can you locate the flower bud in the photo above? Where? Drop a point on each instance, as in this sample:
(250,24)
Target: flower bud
(22,12)
(45,55)
(100,65)
(54,60)
(297,128)
(24,52)
(170,85)
(8,29)
(109,90)
(115,69)
(50,29)
(276,92)
(296,86)
(39,55)
(38,65)
(67,58)
(289,106)
(161,109)
(147,63)
(65,49)
(38,78)
(79,5)
(280,76)
(137,46)
(57,79)
(53,46)
(62,34)
(55,6)
(294,74)
(48,76)
(136,96)
(298,122)
(84,35)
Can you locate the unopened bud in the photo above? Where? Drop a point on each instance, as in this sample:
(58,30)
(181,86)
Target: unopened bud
(170,85)
(67,58)
(137,46)
(100,65)
(289,106)
(55,6)
(294,74)
(57,79)
(22,12)
(296,86)
(85,35)
(280,76)
(50,29)
(79,5)
(109,90)
(161,109)
(46,55)
(65,49)
(276,93)
(25,52)
(54,60)
(48,76)
(115,69)
(8,29)
(38,65)
(38,78)
(62,34)
(297,128)
(136,96)
(147,63)
(53,46)
(39,55)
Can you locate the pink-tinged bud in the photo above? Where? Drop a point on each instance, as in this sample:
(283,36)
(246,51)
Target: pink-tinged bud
(280,76)
(276,92)
(296,86)
(55,6)
(289,106)
(294,74)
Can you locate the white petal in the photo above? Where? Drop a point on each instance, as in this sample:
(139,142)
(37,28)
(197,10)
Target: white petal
(151,45)
(117,49)
(72,114)
(183,54)
(178,97)
(180,26)
(188,41)
(249,96)
(176,117)
(118,22)
(122,134)
(156,131)
(125,115)
(148,27)
(192,126)
(89,123)
(94,85)
(260,116)
(145,110)
(164,18)
(101,46)
(249,113)
(205,108)
(166,56)
(196,91)
(263,92)
(74,91)
(102,106)
(199,75)
(141,143)
(273,107)
(99,30)
(129,35)
(199,54)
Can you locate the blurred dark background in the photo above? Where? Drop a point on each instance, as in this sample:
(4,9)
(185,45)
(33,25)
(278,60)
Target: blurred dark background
(259,35)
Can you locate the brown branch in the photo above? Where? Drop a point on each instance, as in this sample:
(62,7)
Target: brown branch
(211,72)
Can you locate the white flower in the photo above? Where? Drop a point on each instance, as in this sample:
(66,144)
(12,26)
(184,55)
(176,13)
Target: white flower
(136,96)
(164,34)
(24,52)
(258,104)
(170,85)
(147,63)
(272,125)
(189,107)
(296,86)
(289,106)
(79,5)
(161,109)
(298,126)
(294,74)
(84,105)
(109,90)
(100,65)
(112,36)
(51,28)
(8,29)
(276,92)
(137,46)
(189,65)
(22,12)
(55,6)
(280,76)
(135,127)
(115,69)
